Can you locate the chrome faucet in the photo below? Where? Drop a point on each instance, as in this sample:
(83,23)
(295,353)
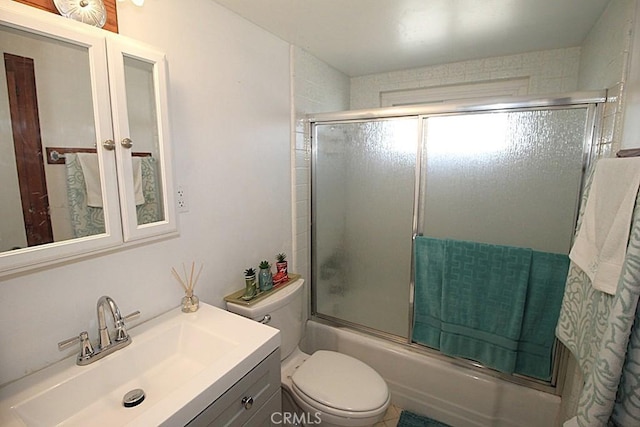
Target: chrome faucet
(118,322)
(105,343)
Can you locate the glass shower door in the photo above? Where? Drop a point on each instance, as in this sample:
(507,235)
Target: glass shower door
(504,177)
(364,176)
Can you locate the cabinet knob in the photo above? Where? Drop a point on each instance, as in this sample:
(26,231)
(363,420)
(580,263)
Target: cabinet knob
(247,402)
(126,143)
(109,145)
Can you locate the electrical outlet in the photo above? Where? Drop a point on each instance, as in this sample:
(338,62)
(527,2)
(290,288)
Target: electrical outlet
(181,199)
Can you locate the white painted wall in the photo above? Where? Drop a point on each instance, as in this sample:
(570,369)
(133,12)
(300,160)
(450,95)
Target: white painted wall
(229,97)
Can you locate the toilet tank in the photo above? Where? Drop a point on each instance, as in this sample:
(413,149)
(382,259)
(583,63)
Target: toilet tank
(284,307)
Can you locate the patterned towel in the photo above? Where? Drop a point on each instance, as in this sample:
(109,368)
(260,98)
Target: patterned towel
(85,220)
(89,220)
(602,331)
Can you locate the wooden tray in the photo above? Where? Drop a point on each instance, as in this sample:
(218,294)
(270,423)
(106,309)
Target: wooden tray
(236,297)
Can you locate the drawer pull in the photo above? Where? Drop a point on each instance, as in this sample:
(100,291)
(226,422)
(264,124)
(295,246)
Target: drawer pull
(266,319)
(247,402)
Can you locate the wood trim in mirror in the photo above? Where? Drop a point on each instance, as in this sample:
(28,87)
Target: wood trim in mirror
(110,5)
(25,123)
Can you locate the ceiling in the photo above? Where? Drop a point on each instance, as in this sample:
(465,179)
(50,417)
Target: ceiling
(360,37)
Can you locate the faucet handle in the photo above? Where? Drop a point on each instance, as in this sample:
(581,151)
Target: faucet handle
(121,330)
(86,349)
(132,316)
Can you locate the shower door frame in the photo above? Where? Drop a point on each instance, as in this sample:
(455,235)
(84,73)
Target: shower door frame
(594,102)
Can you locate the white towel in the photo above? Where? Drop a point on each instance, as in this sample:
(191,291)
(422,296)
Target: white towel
(91,172)
(601,244)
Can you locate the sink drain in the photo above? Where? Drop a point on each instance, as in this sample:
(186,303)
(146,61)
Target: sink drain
(133,398)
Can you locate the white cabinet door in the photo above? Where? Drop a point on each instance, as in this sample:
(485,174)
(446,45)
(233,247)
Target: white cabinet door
(137,76)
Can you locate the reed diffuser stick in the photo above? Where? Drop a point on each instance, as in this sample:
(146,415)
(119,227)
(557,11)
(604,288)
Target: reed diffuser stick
(193,266)
(175,274)
(197,277)
(186,277)
(188,282)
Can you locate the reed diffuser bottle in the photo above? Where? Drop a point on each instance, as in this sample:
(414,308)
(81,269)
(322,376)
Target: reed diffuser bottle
(190,302)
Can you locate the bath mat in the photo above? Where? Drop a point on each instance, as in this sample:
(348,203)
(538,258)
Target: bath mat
(409,419)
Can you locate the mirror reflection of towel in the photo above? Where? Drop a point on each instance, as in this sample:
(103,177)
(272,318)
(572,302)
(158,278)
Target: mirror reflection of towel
(137,180)
(91,172)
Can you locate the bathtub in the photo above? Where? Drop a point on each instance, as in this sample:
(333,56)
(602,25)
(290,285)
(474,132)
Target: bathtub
(439,388)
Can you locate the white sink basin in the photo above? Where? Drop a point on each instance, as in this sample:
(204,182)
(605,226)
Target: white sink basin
(183,362)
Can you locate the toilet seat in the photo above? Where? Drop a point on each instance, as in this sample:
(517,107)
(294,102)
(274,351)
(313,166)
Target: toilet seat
(340,385)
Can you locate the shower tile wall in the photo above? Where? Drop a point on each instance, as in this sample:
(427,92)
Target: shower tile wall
(550,71)
(605,50)
(611,137)
(317,88)
(604,62)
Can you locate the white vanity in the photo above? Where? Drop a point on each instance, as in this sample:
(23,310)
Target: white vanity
(205,368)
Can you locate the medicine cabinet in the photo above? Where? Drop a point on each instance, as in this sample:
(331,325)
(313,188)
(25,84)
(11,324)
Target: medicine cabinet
(85,159)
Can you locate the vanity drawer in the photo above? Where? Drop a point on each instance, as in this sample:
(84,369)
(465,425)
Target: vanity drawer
(246,398)
(262,418)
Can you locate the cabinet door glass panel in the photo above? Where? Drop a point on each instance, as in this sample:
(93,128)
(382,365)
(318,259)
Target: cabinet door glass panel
(51,183)
(144,134)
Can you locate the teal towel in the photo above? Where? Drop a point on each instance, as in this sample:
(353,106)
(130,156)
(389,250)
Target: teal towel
(544,298)
(483,297)
(429,265)
(497,305)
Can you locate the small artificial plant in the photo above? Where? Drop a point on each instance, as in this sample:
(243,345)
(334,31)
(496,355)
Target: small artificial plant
(264,265)
(281,266)
(250,287)
(265,279)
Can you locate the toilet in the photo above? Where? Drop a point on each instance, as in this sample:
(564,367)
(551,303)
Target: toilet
(327,388)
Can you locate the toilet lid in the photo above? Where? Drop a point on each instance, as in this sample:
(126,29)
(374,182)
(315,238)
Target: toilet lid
(340,381)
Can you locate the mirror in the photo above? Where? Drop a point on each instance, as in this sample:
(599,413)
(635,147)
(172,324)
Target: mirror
(45,103)
(142,117)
